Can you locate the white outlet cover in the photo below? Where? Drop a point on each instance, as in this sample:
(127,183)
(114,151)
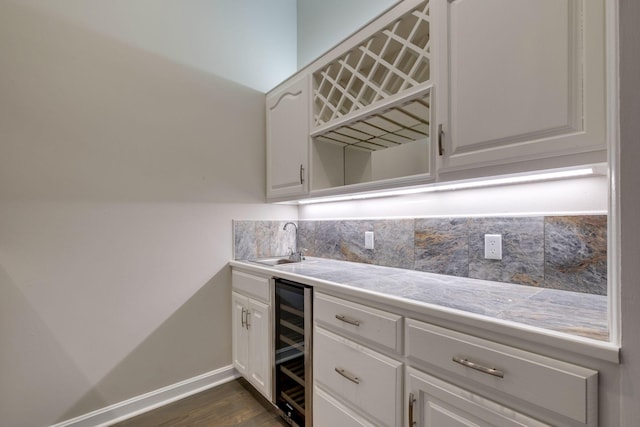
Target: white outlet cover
(493,246)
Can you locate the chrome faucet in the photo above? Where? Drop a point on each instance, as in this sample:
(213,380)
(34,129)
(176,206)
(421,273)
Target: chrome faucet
(297,254)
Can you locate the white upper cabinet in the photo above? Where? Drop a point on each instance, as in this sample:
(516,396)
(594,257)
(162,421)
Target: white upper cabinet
(440,90)
(520,80)
(288,139)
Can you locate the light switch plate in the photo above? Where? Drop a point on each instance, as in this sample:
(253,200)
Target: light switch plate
(368,239)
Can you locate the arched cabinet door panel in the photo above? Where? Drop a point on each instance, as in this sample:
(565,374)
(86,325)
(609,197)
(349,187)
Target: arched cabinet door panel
(288,139)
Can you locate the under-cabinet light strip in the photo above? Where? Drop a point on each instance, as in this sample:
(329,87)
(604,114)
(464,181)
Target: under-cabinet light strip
(545,176)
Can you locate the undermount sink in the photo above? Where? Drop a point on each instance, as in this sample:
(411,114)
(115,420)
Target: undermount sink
(272,261)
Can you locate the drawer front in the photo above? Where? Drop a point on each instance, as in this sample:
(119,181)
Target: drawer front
(366,379)
(359,321)
(328,412)
(560,387)
(253,286)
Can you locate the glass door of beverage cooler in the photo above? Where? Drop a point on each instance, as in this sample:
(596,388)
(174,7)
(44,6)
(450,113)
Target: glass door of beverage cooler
(293,351)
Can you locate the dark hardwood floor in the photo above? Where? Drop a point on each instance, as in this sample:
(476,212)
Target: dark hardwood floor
(232,404)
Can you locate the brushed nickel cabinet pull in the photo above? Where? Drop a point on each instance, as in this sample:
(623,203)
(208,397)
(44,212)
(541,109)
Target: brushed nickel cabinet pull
(348,320)
(244,318)
(412,401)
(348,375)
(440,140)
(301,174)
(483,369)
(247,321)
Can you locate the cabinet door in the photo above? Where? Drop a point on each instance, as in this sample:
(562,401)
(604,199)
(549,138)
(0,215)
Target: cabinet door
(288,139)
(523,80)
(260,348)
(240,345)
(431,402)
(328,412)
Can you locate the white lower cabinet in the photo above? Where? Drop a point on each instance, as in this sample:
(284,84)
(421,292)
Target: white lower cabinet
(252,345)
(432,402)
(373,367)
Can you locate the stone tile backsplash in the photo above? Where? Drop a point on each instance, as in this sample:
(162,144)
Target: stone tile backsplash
(559,252)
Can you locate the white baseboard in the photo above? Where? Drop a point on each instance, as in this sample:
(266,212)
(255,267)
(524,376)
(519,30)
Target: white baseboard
(154,399)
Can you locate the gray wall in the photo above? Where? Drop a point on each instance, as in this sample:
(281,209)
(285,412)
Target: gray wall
(122,163)
(323,24)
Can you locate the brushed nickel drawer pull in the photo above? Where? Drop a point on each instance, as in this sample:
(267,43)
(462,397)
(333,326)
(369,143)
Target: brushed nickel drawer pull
(483,369)
(348,375)
(348,320)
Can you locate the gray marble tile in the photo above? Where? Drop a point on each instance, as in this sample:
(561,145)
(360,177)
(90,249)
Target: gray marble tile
(284,241)
(314,267)
(356,273)
(321,238)
(522,250)
(393,243)
(562,252)
(352,241)
(244,233)
(255,239)
(576,253)
(572,299)
(264,236)
(571,320)
(442,246)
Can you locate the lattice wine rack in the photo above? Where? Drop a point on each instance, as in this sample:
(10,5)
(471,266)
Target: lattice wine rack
(387,63)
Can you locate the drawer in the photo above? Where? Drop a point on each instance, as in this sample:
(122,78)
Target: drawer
(358,375)
(359,321)
(328,412)
(251,285)
(563,388)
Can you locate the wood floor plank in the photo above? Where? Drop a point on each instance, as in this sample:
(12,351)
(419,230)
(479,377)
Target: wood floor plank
(234,404)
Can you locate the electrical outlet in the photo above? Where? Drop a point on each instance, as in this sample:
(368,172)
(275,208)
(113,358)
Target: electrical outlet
(493,246)
(368,239)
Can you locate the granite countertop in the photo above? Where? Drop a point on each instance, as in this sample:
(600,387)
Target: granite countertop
(574,313)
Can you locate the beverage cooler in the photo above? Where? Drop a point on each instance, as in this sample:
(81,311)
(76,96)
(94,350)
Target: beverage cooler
(293,341)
